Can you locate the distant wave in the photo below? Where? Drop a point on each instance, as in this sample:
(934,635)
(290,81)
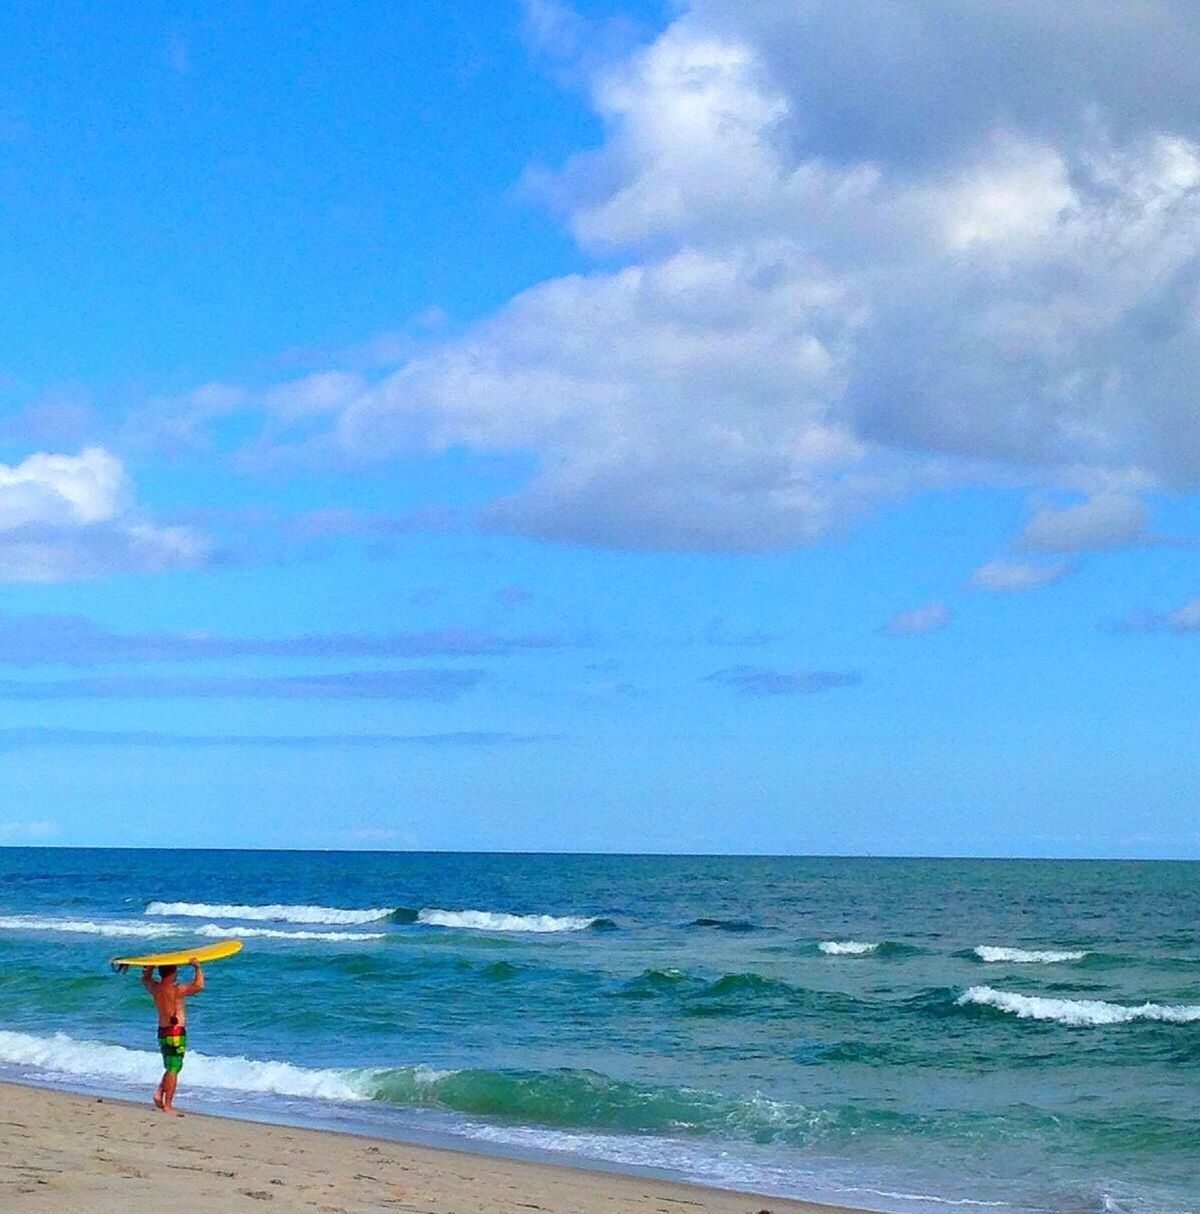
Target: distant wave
(726,925)
(846,948)
(274,913)
(1022,956)
(209,931)
(430,916)
(241,932)
(496,921)
(86,927)
(1077,1013)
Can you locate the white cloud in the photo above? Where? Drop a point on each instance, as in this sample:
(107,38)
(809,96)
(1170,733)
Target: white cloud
(1105,520)
(927,618)
(831,282)
(62,490)
(32,831)
(1019,575)
(74,516)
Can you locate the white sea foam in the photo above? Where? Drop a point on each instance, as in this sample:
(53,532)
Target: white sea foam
(210,931)
(66,1056)
(85,927)
(214,931)
(274,913)
(1024,956)
(493,921)
(1078,1013)
(846,948)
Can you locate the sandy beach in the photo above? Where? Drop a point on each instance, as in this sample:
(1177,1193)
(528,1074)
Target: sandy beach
(65,1152)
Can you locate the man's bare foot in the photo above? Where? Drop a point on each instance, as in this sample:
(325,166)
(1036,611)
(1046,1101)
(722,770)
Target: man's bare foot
(170,1112)
(157,1098)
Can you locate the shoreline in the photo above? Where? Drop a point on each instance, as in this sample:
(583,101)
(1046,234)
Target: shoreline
(66,1151)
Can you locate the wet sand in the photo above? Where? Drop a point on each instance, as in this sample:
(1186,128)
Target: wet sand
(63,1152)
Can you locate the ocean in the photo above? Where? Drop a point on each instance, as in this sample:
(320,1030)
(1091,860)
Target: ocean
(897,1035)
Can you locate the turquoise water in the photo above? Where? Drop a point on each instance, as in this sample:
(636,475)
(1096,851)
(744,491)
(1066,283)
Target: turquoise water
(894,1034)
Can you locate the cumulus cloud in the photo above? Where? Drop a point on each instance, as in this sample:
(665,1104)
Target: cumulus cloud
(762,681)
(927,618)
(1105,520)
(850,252)
(74,516)
(1010,576)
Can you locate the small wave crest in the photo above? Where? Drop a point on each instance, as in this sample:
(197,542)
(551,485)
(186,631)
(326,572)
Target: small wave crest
(273,913)
(847,948)
(497,921)
(1024,956)
(148,931)
(1077,1013)
(87,927)
(214,931)
(725,925)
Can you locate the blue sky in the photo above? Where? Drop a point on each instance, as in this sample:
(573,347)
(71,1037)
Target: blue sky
(701,426)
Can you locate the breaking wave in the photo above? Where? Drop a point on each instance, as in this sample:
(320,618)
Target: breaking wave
(145,931)
(846,948)
(494,921)
(274,913)
(85,927)
(63,1055)
(1023,956)
(214,931)
(430,916)
(1077,1013)
(561,1097)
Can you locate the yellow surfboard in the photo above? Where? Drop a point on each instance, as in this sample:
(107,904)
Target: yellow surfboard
(182,956)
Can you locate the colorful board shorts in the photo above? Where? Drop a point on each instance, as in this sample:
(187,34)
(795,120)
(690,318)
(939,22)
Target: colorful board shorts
(173,1042)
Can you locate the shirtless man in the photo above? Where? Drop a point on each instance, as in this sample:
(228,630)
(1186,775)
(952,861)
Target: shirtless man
(170,999)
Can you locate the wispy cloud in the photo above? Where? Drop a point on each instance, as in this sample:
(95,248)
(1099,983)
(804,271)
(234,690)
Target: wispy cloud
(927,618)
(29,640)
(1013,576)
(29,738)
(718,633)
(761,681)
(36,830)
(1182,619)
(351,685)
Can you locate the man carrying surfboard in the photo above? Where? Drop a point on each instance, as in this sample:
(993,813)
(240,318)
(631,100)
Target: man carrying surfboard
(170,999)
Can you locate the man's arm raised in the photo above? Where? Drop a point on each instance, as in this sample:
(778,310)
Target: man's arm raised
(148,978)
(197,983)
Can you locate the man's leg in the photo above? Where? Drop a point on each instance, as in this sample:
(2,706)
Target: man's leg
(158,1091)
(170,1080)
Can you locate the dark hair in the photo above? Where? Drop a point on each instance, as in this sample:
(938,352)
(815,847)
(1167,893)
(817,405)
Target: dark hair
(166,971)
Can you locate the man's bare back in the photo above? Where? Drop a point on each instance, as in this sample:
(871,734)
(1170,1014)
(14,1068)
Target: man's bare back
(171,1002)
